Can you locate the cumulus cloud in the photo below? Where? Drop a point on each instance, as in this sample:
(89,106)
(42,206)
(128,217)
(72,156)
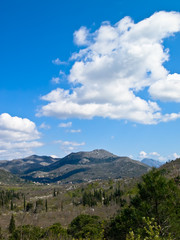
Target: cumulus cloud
(80,36)
(117,63)
(167,89)
(17,136)
(68,146)
(157,156)
(142,155)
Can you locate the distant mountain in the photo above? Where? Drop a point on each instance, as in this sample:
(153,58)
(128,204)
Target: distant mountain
(7,178)
(152,163)
(75,167)
(28,164)
(87,166)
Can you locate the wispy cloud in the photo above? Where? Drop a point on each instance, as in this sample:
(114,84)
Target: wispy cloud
(55,80)
(68,146)
(74,130)
(57,61)
(44,126)
(65,125)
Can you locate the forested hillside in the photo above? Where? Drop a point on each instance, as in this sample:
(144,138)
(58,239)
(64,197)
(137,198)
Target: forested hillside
(124,209)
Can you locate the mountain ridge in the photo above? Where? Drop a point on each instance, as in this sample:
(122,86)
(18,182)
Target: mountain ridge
(76,167)
(152,162)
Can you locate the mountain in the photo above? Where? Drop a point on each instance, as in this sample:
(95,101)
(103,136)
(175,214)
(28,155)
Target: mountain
(152,163)
(28,164)
(7,178)
(172,168)
(87,166)
(75,167)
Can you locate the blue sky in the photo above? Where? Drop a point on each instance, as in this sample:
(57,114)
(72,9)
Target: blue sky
(81,75)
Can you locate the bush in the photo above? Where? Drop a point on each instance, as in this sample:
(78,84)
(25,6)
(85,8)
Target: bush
(86,227)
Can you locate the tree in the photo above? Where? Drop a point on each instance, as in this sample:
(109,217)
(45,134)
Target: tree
(151,231)
(28,232)
(12,224)
(29,206)
(86,227)
(12,206)
(56,231)
(24,203)
(46,205)
(157,197)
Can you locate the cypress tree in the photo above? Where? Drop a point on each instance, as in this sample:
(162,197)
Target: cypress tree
(12,207)
(24,203)
(46,205)
(12,224)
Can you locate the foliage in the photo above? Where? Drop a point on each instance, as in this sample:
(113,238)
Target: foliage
(86,227)
(7,196)
(151,231)
(29,206)
(158,198)
(12,224)
(56,231)
(27,232)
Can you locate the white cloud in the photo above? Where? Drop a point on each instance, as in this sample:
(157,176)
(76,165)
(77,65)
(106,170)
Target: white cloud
(155,154)
(142,155)
(17,136)
(75,130)
(175,155)
(80,36)
(55,80)
(57,61)
(65,125)
(68,146)
(158,156)
(118,62)
(44,126)
(167,89)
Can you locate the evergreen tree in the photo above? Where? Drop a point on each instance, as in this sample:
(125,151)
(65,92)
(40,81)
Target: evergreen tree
(12,224)
(24,203)
(12,207)
(46,205)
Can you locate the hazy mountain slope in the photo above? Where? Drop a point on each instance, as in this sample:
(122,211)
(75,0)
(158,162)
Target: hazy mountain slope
(8,178)
(28,164)
(84,158)
(85,166)
(152,163)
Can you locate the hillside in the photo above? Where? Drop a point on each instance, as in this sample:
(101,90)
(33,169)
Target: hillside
(172,168)
(28,164)
(87,166)
(152,163)
(8,178)
(75,167)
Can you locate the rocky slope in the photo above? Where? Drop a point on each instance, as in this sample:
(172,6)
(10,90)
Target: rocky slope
(75,167)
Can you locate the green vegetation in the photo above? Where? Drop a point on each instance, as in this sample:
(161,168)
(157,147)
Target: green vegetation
(125,209)
(157,198)
(12,225)
(86,227)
